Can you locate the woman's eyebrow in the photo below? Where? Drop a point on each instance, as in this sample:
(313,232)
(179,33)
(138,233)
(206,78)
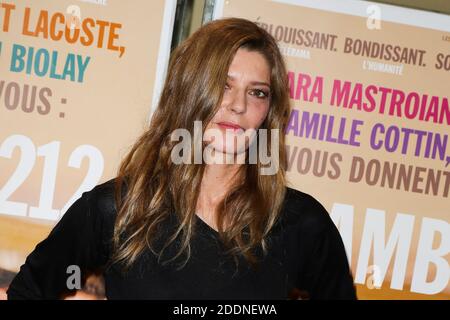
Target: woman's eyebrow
(258,83)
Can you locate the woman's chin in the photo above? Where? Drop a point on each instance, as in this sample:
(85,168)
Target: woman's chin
(223,154)
(229,149)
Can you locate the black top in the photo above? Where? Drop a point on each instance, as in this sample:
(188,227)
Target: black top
(305,252)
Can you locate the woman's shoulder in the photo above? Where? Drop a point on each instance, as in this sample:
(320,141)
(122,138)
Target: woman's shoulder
(298,208)
(101,198)
(304,210)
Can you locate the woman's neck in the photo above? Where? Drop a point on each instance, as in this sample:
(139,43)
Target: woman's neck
(217,180)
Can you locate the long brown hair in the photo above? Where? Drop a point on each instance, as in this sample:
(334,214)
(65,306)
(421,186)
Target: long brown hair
(157,189)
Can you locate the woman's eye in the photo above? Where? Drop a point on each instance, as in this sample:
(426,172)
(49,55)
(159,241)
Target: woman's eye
(261,94)
(227,86)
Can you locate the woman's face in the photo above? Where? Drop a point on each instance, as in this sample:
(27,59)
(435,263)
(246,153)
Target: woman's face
(245,103)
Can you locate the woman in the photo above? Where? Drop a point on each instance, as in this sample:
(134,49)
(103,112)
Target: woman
(165,229)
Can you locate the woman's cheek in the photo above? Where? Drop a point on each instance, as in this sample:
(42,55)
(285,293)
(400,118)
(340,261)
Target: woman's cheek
(262,114)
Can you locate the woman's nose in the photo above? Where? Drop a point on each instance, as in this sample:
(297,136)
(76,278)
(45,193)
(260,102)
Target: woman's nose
(238,102)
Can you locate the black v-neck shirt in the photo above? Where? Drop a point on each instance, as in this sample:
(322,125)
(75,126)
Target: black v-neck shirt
(305,252)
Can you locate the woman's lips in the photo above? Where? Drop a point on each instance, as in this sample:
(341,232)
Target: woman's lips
(229,125)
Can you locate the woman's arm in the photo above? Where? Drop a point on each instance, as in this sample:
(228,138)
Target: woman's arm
(325,273)
(75,243)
